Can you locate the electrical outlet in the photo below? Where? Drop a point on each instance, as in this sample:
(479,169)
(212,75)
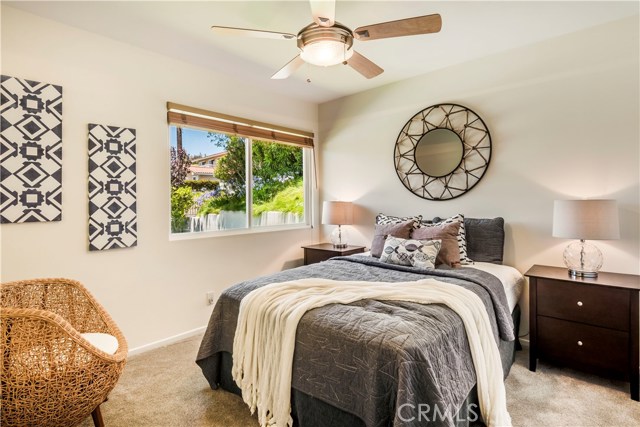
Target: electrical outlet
(211,298)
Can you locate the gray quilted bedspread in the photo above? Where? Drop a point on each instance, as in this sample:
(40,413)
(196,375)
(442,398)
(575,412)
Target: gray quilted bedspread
(370,357)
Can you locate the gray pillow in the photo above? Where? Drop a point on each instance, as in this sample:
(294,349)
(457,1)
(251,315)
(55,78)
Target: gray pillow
(485,239)
(402,230)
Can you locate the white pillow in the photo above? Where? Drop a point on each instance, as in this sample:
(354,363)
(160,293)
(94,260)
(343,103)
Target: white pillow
(105,342)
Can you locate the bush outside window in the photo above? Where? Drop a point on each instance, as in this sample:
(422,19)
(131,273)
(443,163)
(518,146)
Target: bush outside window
(222,182)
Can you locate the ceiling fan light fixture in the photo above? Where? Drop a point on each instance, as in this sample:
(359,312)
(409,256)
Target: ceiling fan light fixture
(326,53)
(325,46)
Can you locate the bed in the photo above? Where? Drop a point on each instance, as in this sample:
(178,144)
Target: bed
(378,363)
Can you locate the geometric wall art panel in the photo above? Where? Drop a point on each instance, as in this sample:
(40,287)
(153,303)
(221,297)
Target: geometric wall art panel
(112,188)
(30,151)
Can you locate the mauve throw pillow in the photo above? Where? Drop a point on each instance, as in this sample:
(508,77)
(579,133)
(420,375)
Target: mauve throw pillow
(449,252)
(462,236)
(402,230)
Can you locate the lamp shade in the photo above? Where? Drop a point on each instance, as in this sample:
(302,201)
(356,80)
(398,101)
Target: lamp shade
(586,219)
(337,213)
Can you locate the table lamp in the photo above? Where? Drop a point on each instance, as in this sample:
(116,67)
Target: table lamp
(338,213)
(585,220)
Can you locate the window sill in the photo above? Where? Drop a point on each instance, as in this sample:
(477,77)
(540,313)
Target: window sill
(235,232)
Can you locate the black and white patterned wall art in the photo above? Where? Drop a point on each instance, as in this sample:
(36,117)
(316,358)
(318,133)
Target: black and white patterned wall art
(112,187)
(30,151)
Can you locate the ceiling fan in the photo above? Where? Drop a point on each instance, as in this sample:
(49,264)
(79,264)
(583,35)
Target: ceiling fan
(327,42)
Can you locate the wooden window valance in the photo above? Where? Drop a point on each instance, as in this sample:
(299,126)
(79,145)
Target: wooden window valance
(182,115)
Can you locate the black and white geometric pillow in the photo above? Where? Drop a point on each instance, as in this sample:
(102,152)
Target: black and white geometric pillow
(382,219)
(30,151)
(462,235)
(417,253)
(112,188)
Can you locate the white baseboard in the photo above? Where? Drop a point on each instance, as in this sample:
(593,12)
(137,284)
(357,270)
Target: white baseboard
(166,341)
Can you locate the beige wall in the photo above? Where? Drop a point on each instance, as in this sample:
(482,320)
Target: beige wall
(564,121)
(156,290)
(563,116)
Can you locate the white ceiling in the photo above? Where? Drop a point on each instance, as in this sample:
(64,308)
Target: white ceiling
(470,29)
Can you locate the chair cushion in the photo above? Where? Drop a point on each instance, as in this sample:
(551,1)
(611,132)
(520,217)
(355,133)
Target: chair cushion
(105,342)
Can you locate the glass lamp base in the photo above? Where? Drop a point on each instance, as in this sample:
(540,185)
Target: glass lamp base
(339,238)
(587,274)
(583,259)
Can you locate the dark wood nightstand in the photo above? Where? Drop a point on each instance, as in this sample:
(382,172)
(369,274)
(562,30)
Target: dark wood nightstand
(586,324)
(324,251)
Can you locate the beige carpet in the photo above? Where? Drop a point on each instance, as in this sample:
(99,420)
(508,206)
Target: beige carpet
(164,387)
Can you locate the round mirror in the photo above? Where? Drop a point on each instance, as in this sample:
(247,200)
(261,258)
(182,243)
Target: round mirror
(439,152)
(442,152)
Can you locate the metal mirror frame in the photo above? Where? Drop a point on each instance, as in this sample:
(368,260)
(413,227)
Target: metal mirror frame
(476,155)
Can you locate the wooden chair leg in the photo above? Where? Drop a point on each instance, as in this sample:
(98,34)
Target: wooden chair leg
(97,417)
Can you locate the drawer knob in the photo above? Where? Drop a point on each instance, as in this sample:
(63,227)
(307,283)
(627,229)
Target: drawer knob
(579,303)
(580,343)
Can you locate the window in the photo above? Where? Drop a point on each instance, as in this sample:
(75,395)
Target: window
(235,174)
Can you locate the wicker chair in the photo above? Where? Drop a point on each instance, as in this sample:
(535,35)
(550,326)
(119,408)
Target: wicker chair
(51,375)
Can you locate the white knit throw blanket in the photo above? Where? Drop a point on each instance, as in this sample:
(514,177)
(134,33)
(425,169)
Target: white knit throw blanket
(269,317)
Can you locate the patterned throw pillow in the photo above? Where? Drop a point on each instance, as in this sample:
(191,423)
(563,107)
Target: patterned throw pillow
(462,236)
(418,253)
(382,219)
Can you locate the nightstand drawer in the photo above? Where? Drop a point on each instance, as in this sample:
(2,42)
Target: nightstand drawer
(582,346)
(312,257)
(597,306)
(324,251)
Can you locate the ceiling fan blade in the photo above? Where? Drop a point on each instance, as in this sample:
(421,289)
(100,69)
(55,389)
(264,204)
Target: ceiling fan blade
(288,69)
(324,12)
(231,31)
(403,27)
(364,66)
